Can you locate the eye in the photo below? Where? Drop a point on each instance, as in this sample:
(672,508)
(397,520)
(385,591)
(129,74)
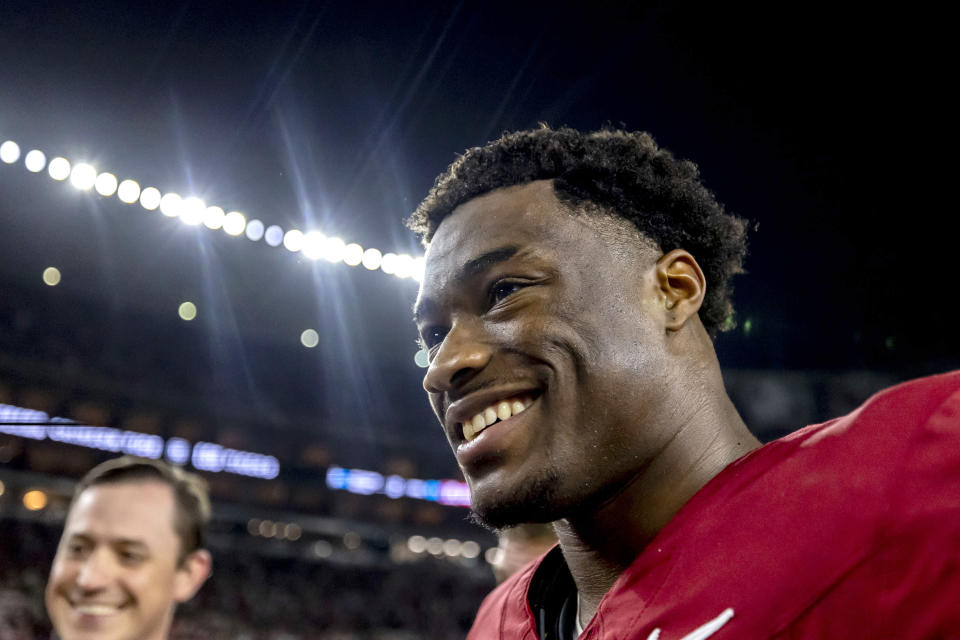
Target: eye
(430,337)
(131,557)
(502,289)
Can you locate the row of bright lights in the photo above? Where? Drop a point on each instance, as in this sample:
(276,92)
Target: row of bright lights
(194,212)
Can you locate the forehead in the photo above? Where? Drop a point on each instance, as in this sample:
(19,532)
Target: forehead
(528,218)
(142,510)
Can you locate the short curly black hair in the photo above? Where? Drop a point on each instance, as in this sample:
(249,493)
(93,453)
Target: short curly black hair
(626,174)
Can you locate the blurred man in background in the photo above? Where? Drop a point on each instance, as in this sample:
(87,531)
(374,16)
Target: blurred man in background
(573,285)
(520,545)
(132,548)
(17,620)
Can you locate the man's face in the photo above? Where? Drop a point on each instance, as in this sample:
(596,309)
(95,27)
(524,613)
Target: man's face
(117,574)
(542,322)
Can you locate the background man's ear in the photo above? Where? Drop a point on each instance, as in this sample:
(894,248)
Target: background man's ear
(683,286)
(191,575)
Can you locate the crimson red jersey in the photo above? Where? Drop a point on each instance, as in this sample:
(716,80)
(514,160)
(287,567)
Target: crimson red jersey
(847,529)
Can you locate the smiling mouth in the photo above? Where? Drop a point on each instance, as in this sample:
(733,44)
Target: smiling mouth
(494,413)
(96,609)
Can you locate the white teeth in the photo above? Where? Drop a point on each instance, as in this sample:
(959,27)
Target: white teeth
(96,609)
(499,411)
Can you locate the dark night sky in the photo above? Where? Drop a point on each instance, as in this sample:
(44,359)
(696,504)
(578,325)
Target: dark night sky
(825,127)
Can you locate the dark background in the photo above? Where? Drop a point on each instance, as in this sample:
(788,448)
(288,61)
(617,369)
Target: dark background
(826,126)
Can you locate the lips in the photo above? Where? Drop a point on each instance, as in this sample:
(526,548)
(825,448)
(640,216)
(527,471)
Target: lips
(471,414)
(493,413)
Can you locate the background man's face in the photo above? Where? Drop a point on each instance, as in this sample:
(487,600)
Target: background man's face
(558,315)
(115,575)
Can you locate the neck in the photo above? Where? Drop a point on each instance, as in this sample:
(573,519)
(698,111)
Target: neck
(600,543)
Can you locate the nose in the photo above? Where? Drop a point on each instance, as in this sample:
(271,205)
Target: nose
(94,573)
(461,355)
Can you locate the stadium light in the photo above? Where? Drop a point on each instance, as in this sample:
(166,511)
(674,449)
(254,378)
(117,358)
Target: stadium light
(128,191)
(150,198)
(171,204)
(234,223)
(333,249)
(35,161)
(254,230)
(59,168)
(213,217)
(372,259)
(106,184)
(192,211)
(310,244)
(293,240)
(83,176)
(9,151)
(51,276)
(352,254)
(273,236)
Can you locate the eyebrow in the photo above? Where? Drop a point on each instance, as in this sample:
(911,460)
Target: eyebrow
(88,539)
(469,270)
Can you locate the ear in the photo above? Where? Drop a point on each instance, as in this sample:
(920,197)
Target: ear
(682,285)
(191,575)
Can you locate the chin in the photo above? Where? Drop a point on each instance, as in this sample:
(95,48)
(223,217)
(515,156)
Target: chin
(536,501)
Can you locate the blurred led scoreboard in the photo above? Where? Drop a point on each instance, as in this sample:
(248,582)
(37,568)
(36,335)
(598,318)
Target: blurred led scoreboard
(204,456)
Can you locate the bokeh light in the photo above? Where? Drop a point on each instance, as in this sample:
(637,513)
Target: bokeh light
(293,240)
(35,160)
(311,244)
(83,176)
(452,547)
(435,546)
(470,549)
(419,264)
(309,338)
(254,230)
(106,184)
(404,266)
(192,211)
(417,544)
(150,198)
(59,168)
(389,263)
(352,540)
(422,359)
(273,236)
(187,311)
(9,151)
(171,204)
(333,248)
(352,254)
(213,217)
(128,191)
(234,223)
(51,276)
(35,500)
(372,258)
(2,488)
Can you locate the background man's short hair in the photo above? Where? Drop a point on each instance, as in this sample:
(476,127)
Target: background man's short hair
(627,175)
(190,491)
